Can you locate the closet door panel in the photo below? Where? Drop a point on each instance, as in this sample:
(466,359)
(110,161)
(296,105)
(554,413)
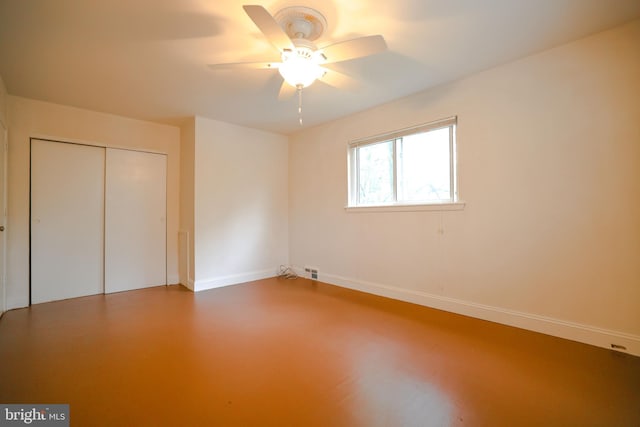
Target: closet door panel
(67,220)
(135,220)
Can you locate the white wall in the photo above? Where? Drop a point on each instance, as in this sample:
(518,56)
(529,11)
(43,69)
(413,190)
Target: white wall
(241,203)
(29,118)
(549,165)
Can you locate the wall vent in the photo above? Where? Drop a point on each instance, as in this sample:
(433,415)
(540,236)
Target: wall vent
(311,273)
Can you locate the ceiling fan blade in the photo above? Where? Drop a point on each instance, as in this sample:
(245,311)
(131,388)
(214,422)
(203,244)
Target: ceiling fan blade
(286,91)
(339,80)
(269,27)
(354,48)
(245,65)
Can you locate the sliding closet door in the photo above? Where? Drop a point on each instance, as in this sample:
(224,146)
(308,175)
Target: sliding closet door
(67,220)
(135,220)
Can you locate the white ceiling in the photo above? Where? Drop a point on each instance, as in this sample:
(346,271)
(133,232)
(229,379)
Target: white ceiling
(148,59)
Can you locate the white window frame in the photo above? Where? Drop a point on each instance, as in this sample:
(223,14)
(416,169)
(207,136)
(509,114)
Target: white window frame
(453,203)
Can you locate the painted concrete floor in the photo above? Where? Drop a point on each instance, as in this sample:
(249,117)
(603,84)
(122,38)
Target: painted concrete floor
(282,352)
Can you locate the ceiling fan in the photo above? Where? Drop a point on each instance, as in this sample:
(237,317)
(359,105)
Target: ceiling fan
(292,31)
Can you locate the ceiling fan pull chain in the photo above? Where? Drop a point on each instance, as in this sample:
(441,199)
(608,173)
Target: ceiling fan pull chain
(299,87)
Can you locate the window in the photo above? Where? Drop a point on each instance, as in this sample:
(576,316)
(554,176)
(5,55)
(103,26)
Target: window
(408,167)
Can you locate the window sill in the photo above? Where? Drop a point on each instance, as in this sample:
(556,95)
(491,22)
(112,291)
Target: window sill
(455,206)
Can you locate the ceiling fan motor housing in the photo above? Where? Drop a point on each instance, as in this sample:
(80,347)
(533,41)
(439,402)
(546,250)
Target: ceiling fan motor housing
(301,22)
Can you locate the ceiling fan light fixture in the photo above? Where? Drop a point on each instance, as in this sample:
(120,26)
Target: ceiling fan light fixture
(299,67)
(292,31)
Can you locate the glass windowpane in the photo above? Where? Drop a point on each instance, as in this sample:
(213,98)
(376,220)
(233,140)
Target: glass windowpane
(423,167)
(375,184)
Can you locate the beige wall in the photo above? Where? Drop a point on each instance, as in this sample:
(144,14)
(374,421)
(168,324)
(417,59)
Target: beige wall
(241,203)
(29,118)
(3,103)
(3,130)
(549,166)
(187,202)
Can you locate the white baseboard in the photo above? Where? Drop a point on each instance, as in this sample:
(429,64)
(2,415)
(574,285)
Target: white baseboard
(559,328)
(233,279)
(14,303)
